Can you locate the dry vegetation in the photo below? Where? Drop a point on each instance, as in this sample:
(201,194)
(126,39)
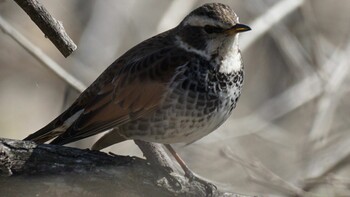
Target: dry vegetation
(289,135)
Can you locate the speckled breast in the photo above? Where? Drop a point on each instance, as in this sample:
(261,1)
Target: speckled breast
(199,100)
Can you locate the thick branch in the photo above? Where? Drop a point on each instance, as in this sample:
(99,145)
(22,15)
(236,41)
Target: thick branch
(48,170)
(155,154)
(52,28)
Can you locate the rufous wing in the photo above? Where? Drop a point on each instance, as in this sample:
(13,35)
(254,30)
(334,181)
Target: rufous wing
(135,91)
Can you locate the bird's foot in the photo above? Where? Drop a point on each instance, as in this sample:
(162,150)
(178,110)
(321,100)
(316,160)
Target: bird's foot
(209,187)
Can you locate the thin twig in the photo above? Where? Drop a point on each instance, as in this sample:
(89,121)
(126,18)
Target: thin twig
(290,46)
(332,179)
(322,161)
(52,28)
(328,103)
(261,174)
(41,56)
(263,23)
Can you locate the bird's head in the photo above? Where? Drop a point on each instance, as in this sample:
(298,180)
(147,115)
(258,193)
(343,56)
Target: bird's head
(209,29)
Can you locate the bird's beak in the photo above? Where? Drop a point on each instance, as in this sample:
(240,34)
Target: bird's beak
(237,29)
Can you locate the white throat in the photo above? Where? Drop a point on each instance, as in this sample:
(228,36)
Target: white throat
(231,60)
(229,56)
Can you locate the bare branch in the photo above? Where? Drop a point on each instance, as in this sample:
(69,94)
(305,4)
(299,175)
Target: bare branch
(271,17)
(328,103)
(52,28)
(329,158)
(87,173)
(262,175)
(333,180)
(289,44)
(40,56)
(155,153)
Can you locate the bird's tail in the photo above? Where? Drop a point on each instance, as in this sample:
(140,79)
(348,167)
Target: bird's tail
(57,126)
(45,134)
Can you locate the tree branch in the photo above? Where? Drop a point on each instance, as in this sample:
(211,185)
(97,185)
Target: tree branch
(84,172)
(155,154)
(39,55)
(52,28)
(271,17)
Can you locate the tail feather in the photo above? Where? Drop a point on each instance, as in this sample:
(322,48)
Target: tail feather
(45,134)
(56,127)
(108,139)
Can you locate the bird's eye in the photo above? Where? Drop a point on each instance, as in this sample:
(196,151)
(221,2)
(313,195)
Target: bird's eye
(213,29)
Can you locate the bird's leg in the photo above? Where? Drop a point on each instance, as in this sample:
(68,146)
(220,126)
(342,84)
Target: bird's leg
(188,173)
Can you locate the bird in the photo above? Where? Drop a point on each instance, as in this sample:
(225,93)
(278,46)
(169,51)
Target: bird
(175,87)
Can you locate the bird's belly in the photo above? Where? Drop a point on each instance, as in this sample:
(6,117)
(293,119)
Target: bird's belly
(183,119)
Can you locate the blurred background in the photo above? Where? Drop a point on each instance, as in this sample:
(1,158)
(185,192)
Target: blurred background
(289,134)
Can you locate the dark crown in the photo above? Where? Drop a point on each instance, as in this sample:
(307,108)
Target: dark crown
(207,23)
(216,11)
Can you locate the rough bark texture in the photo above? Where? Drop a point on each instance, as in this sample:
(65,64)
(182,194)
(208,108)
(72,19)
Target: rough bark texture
(52,28)
(28,169)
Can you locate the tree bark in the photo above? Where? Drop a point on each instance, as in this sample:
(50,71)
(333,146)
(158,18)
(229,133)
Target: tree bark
(52,28)
(28,169)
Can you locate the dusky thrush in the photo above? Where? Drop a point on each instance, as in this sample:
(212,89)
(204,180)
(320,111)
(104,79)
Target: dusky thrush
(177,86)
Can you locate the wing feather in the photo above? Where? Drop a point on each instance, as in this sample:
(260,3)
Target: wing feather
(127,97)
(132,87)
